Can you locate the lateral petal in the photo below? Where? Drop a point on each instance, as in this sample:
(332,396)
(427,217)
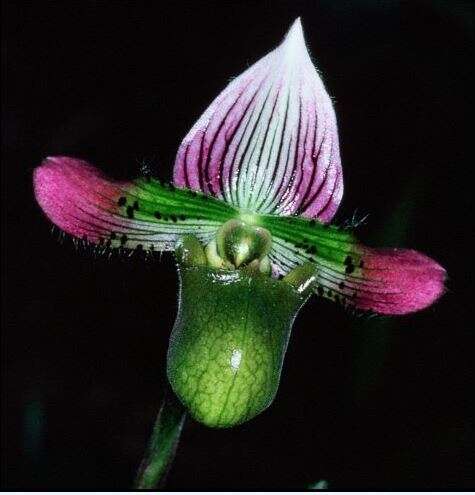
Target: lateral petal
(84,203)
(384,281)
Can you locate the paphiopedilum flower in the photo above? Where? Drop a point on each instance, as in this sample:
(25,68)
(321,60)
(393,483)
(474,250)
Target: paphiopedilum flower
(256,182)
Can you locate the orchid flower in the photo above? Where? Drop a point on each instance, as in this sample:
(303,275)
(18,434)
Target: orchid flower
(256,183)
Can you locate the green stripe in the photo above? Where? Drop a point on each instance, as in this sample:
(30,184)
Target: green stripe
(311,238)
(171,203)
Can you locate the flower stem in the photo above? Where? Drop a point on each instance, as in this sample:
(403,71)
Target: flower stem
(162,444)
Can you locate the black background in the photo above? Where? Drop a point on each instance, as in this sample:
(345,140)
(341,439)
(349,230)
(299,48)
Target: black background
(381,404)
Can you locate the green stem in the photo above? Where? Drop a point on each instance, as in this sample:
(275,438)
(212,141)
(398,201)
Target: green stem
(162,445)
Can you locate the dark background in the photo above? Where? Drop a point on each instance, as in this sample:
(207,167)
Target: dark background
(364,404)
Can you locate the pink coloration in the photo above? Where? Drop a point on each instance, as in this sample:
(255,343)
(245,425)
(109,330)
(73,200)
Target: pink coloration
(83,202)
(78,198)
(269,143)
(398,281)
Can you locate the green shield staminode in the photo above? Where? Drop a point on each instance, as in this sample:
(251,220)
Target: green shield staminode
(228,343)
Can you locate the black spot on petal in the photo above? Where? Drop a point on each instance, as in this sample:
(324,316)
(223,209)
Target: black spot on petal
(349,269)
(130,212)
(122,201)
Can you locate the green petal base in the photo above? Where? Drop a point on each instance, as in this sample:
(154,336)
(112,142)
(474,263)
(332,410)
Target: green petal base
(228,343)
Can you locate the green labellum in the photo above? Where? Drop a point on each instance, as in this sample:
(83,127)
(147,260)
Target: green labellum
(229,340)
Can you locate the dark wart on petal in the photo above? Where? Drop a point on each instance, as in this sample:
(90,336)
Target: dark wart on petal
(130,211)
(349,269)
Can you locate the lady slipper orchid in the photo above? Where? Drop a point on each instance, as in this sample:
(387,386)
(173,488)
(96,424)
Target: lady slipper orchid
(256,182)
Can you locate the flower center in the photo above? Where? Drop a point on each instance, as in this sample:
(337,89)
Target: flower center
(238,244)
